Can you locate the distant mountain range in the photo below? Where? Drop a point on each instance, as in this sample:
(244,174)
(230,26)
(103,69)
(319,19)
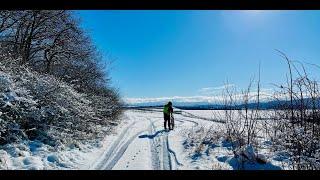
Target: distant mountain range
(184,104)
(213,106)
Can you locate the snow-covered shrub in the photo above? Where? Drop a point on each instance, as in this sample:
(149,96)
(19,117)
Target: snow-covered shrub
(247,153)
(53,84)
(241,123)
(39,106)
(106,106)
(296,121)
(199,139)
(301,145)
(4,160)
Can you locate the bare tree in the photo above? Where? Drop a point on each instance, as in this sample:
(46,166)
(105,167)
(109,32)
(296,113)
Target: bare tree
(50,55)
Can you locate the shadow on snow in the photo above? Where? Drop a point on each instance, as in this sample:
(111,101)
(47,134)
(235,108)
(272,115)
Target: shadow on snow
(152,135)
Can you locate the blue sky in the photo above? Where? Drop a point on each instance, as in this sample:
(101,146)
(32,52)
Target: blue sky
(188,53)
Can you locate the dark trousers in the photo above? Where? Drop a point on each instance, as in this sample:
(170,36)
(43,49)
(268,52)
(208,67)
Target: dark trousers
(166,119)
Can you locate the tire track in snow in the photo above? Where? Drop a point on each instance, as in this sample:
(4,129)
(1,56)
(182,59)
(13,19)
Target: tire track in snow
(194,122)
(113,148)
(120,152)
(118,149)
(160,150)
(190,115)
(172,152)
(160,145)
(156,165)
(165,150)
(166,161)
(163,143)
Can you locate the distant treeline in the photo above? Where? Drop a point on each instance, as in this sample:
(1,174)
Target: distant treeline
(262,105)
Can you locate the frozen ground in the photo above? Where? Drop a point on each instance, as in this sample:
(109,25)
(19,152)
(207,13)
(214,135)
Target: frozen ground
(139,142)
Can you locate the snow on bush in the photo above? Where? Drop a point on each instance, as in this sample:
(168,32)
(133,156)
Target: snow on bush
(36,106)
(54,88)
(212,142)
(199,139)
(4,160)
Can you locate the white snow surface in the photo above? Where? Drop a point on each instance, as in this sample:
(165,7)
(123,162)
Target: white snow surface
(138,143)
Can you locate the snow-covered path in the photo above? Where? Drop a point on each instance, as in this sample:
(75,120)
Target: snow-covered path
(144,144)
(141,143)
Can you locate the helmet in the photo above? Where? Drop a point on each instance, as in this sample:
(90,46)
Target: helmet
(170,103)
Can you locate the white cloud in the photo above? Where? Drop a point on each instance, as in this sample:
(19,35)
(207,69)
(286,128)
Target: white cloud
(208,95)
(214,90)
(191,99)
(177,99)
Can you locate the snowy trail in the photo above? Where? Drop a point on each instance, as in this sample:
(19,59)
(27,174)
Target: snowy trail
(120,152)
(112,149)
(144,144)
(140,142)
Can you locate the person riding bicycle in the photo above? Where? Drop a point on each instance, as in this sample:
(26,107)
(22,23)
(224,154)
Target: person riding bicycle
(167,114)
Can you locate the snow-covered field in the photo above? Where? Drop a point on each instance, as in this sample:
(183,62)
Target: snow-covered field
(140,142)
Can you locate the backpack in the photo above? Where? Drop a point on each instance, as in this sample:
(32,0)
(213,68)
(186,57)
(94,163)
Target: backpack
(166,109)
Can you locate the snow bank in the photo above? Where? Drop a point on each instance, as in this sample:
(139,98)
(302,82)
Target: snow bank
(34,155)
